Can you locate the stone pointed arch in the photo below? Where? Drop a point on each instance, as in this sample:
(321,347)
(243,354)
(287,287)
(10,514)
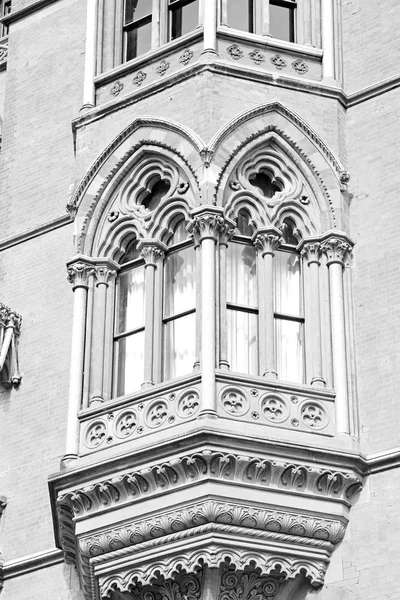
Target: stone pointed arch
(302,148)
(144,137)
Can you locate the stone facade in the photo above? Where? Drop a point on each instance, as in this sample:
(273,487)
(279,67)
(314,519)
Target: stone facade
(217,483)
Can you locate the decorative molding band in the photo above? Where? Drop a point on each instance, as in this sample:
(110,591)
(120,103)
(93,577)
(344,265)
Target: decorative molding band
(383,461)
(34,562)
(34,232)
(214,465)
(17,15)
(372,91)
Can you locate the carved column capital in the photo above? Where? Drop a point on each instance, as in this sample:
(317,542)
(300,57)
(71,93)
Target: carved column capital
(267,240)
(79,271)
(151,251)
(208,222)
(336,246)
(104,272)
(10,318)
(311,251)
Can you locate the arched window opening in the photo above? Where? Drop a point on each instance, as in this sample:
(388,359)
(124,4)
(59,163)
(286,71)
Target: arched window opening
(243,223)
(242,307)
(289,237)
(265,183)
(179,323)
(288,310)
(158,191)
(129,330)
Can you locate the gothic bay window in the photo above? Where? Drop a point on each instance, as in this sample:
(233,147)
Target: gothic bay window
(130,324)
(179,322)
(275,18)
(137,28)
(183,17)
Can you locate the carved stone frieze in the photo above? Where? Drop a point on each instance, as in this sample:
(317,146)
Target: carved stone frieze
(117,88)
(278,61)
(210,464)
(257,57)
(139,78)
(186,56)
(235,52)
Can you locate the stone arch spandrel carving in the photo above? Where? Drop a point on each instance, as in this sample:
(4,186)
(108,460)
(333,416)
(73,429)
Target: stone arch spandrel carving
(163,137)
(300,144)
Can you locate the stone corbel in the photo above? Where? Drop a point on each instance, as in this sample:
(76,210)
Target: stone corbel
(10,327)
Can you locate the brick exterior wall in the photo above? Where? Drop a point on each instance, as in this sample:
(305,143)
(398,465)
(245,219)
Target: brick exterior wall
(40,160)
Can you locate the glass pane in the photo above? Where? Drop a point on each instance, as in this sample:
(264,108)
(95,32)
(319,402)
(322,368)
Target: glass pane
(281,22)
(136,9)
(240,14)
(287,283)
(138,40)
(242,342)
(179,346)
(241,275)
(289,350)
(179,234)
(179,282)
(131,300)
(184,19)
(130,361)
(242,224)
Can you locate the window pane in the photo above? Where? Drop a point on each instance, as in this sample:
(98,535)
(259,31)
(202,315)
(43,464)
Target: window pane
(184,19)
(179,282)
(287,283)
(241,274)
(240,14)
(179,346)
(130,361)
(131,300)
(289,350)
(138,40)
(281,22)
(242,342)
(136,9)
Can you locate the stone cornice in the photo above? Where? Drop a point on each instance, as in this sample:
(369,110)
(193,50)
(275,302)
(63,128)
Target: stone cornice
(34,562)
(28,234)
(16,15)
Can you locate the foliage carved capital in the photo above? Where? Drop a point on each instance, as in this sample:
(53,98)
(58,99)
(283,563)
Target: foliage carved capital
(267,240)
(209,222)
(78,273)
(151,251)
(336,248)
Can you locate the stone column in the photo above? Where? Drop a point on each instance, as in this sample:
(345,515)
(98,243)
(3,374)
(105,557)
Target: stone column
(90,55)
(337,246)
(328,42)
(103,273)
(153,253)
(210,27)
(79,271)
(226,234)
(307,23)
(265,18)
(266,241)
(311,252)
(205,226)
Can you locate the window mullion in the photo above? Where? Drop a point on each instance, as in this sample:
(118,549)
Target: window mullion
(264,17)
(109,341)
(156,24)
(266,241)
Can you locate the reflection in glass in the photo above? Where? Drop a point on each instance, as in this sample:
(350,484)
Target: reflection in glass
(131,300)
(184,17)
(179,312)
(281,22)
(130,361)
(240,14)
(242,341)
(179,346)
(138,40)
(241,275)
(136,9)
(289,345)
(287,283)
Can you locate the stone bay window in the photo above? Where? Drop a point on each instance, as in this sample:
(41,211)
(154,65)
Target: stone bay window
(210,358)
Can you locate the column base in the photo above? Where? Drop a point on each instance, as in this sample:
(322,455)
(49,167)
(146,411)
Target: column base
(318,382)
(208,413)
(85,107)
(269,374)
(96,401)
(67,460)
(146,385)
(224,365)
(209,53)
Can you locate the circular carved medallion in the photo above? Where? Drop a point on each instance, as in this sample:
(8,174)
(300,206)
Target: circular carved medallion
(125,424)
(313,415)
(157,413)
(188,404)
(95,434)
(274,408)
(234,402)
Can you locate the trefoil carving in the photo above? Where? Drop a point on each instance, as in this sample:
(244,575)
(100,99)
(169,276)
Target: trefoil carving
(186,56)
(278,61)
(117,88)
(235,52)
(139,78)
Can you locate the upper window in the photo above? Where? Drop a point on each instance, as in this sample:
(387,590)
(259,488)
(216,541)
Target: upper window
(142,33)
(278,18)
(5,9)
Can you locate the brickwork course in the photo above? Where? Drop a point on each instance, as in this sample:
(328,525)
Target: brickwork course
(42,159)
